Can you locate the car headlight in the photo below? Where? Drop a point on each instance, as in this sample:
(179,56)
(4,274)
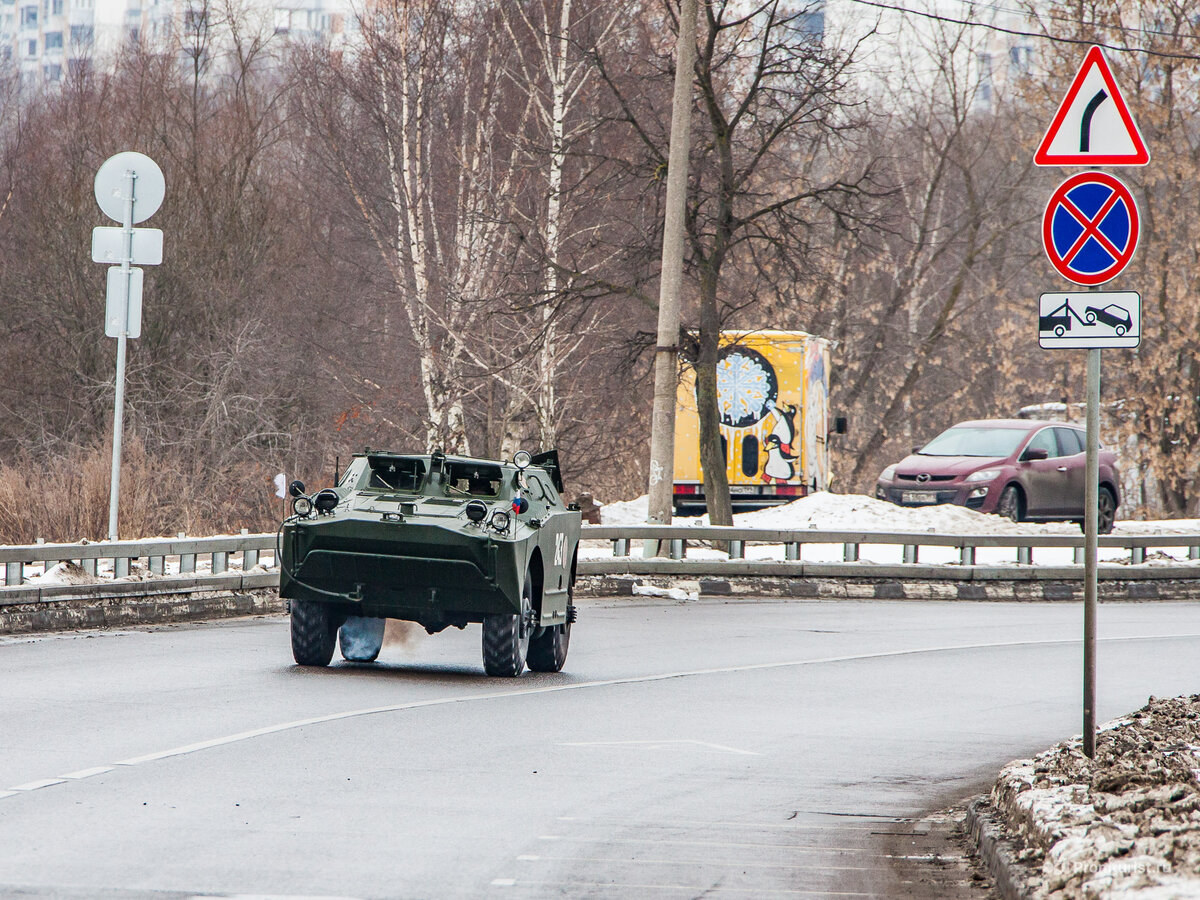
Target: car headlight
(889,473)
(982,475)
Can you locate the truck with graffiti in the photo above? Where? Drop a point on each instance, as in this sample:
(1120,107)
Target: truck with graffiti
(773,396)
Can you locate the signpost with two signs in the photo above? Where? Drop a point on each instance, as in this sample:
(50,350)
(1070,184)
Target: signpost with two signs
(1090,231)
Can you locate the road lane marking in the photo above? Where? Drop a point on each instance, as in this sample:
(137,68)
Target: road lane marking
(661,743)
(87,773)
(637,860)
(36,785)
(697,889)
(611,682)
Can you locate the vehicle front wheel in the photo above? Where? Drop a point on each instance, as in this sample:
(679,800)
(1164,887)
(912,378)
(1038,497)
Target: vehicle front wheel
(1010,503)
(314,632)
(506,637)
(548,648)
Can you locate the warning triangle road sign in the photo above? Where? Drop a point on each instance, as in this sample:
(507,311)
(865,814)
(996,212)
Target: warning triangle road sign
(1093,126)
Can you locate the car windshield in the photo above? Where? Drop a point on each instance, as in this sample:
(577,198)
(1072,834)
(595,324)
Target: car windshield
(969,440)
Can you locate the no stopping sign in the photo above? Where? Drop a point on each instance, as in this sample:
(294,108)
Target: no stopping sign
(1090,228)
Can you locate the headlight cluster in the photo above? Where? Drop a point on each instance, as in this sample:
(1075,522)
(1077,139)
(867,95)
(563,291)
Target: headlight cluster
(982,475)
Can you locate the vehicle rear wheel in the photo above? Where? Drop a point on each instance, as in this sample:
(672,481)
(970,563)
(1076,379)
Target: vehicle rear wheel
(548,648)
(1010,503)
(506,637)
(361,638)
(1106,512)
(314,632)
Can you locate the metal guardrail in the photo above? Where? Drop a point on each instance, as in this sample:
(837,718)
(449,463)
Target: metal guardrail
(679,536)
(179,555)
(196,559)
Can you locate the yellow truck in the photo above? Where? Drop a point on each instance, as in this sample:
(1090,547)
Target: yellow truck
(773,395)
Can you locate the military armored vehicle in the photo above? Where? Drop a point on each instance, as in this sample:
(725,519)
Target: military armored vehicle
(437,540)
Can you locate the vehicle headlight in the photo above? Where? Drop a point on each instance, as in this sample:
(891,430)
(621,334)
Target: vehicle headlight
(302,507)
(889,473)
(982,475)
(500,520)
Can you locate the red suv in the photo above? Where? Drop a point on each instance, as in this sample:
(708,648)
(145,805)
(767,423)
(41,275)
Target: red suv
(1020,469)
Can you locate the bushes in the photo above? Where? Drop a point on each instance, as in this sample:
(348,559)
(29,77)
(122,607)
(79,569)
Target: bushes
(65,497)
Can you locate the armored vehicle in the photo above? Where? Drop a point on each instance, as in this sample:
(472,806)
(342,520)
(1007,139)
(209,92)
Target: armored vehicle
(437,540)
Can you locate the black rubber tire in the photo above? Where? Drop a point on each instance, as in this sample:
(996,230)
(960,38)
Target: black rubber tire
(548,648)
(506,637)
(314,632)
(1106,513)
(1010,504)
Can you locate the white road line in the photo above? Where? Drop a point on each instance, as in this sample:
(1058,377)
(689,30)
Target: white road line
(661,743)
(736,863)
(504,882)
(697,889)
(36,785)
(612,682)
(4,794)
(87,773)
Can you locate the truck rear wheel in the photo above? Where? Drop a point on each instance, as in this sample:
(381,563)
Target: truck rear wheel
(506,637)
(548,648)
(314,632)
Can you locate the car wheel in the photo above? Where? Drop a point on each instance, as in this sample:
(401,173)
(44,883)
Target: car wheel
(1090,318)
(361,638)
(314,632)
(1120,329)
(506,637)
(1059,331)
(1106,512)
(1010,504)
(548,648)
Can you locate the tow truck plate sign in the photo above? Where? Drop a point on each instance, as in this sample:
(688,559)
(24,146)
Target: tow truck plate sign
(1087,320)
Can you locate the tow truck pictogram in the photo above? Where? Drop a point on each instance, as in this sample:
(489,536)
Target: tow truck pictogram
(1058,319)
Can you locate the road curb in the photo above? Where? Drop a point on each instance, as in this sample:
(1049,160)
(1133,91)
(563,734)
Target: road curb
(996,852)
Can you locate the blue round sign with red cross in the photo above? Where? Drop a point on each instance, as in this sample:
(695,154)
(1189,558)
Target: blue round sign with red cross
(1090,228)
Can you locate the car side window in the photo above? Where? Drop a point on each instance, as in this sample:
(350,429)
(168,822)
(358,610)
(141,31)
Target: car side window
(1069,441)
(1044,440)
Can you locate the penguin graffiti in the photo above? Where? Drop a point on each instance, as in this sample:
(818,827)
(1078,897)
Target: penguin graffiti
(784,427)
(778,468)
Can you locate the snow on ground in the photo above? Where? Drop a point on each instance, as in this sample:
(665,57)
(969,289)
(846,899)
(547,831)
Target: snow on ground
(824,511)
(858,512)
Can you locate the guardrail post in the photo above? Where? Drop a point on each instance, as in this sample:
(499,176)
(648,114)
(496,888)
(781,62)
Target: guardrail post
(737,549)
(966,555)
(792,550)
(1024,556)
(14,574)
(677,548)
(1193,552)
(910,553)
(120,566)
(1137,555)
(849,552)
(157,566)
(220,562)
(249,557)
(89,566)
(1079,555)
(187,561)
(621,547)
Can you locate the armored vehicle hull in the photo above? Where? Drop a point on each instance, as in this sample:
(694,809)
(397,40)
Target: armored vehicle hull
(440,541)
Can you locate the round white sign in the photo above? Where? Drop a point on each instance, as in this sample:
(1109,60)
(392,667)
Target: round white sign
(113,186)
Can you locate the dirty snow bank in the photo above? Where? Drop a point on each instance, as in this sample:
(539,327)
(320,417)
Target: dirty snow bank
(858,512)
(1125,825)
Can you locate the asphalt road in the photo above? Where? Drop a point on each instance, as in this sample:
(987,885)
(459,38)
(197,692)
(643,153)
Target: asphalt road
(729,749)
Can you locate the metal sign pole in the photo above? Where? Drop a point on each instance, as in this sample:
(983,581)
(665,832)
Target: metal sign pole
(1090,527)
(122,342)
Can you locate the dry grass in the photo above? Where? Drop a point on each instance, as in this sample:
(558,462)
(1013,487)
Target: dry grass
(65,498)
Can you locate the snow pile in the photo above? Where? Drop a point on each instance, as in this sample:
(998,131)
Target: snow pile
(649,590)
(62,573)
(1125,825)
(824,511)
